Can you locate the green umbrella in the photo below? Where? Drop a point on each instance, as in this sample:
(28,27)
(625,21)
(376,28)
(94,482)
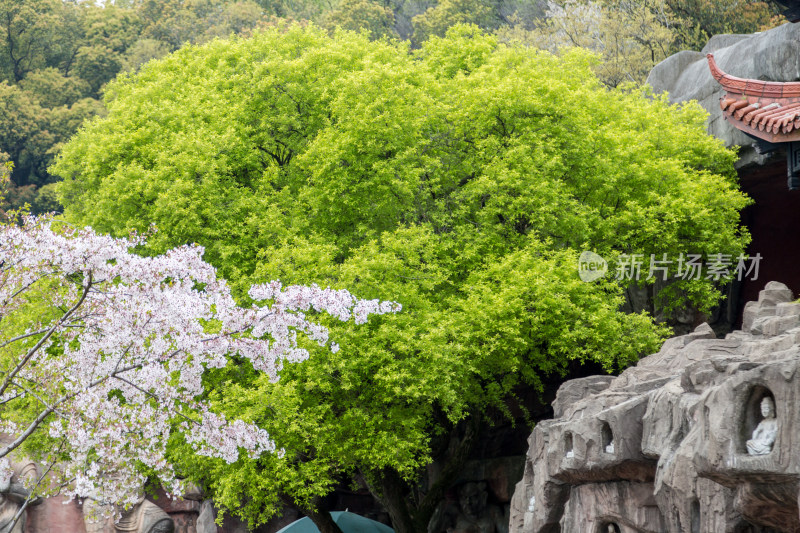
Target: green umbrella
(348,522)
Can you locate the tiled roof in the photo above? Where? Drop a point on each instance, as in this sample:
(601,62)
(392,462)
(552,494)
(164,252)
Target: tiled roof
(768,110)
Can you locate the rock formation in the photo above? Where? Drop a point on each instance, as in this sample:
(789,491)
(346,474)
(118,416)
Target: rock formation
(663,447)
(144,517)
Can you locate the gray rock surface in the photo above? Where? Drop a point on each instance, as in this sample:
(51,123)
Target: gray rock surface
(772,55)
(205,520)
(677,424)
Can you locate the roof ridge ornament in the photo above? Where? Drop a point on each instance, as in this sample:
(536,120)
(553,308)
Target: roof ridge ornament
(766,110)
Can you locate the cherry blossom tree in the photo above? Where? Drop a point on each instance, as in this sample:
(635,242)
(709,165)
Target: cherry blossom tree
(103,353)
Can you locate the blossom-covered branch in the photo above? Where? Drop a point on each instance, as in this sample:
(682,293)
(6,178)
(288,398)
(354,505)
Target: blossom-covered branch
(112,347)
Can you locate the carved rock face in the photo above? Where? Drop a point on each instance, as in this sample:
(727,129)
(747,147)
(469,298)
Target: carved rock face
(163,526)
(668,446)
(145,517)
(13,493)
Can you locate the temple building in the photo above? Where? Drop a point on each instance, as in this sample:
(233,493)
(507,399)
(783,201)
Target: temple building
(769,112)
(749,86)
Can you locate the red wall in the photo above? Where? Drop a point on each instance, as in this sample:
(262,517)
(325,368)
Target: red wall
(774,223)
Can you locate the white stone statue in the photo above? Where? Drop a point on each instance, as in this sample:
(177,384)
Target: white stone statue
(766,431)
(610,447)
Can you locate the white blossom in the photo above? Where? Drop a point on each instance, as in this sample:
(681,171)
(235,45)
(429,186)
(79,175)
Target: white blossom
(122,343)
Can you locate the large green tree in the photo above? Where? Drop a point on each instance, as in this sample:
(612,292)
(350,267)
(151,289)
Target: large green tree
(461,180)
(80,46)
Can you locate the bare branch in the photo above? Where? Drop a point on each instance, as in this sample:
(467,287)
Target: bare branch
(20,337)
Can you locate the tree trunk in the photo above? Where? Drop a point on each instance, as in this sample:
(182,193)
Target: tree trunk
(393,498)
(453,465)
(391,489)
(323,520)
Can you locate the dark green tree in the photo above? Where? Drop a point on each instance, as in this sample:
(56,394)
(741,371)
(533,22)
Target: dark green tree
(357,15)
(60,55)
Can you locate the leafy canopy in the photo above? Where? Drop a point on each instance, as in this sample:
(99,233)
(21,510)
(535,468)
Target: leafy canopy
(461,180)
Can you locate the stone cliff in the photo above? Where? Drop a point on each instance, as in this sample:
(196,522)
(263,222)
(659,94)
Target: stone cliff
(664,446)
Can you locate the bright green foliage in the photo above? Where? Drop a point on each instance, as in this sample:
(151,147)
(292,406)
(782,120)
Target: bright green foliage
(462,181)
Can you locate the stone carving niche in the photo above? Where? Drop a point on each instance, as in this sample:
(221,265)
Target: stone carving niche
(679,423)
(569,452)
(607,438)
(760,424)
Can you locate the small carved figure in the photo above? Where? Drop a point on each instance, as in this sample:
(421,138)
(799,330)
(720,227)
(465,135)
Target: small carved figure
(610,447)
(612,528)
(476,516)
(13,495)
(766,431)
(144,517)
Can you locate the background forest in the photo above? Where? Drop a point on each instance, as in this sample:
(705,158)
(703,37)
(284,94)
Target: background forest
(56,56)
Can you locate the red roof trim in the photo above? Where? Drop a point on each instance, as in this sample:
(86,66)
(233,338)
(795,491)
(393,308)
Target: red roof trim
(768,110)
(749,87)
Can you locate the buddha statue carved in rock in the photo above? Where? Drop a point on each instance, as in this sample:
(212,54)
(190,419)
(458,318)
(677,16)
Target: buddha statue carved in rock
(766,431)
